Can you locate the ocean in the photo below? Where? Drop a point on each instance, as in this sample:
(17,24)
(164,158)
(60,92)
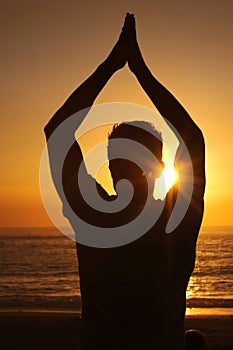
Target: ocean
(38,268)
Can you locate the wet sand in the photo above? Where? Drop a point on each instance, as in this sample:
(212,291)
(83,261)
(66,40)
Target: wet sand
(60,330)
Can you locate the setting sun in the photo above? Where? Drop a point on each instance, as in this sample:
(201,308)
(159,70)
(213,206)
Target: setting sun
(163,184)
(170,176)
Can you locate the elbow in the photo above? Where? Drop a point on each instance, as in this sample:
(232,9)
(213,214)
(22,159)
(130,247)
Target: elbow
(201,137)
(48,130)
(202,143)
(197,136)
(196,142)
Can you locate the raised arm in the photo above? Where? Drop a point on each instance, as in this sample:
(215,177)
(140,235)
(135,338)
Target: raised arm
(81,99)
(85,95)
(171,109)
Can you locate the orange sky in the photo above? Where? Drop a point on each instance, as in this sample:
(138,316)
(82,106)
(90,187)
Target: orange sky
(49,47)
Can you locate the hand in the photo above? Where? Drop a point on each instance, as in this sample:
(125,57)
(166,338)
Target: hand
(119,54)
(135,59)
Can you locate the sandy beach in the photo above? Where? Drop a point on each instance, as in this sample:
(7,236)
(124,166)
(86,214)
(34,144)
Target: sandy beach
(30,329)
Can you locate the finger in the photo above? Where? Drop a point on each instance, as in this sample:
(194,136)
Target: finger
(132,20)
(127,19)
(131,26)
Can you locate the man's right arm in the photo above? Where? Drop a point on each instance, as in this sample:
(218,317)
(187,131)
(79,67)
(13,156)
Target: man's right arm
(189,135)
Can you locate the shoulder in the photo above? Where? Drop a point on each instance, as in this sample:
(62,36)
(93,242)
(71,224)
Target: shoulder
(183,211)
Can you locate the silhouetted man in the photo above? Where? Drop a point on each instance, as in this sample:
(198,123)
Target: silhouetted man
(134,295)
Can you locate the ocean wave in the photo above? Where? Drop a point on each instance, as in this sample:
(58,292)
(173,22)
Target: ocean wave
(210,302)
(43,302)
(74,301)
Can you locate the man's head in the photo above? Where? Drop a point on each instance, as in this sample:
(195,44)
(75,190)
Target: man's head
(141,162)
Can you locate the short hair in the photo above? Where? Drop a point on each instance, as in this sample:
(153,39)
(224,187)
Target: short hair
(139,131)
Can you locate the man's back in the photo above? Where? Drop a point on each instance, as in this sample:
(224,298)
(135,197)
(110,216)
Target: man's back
(134,295)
